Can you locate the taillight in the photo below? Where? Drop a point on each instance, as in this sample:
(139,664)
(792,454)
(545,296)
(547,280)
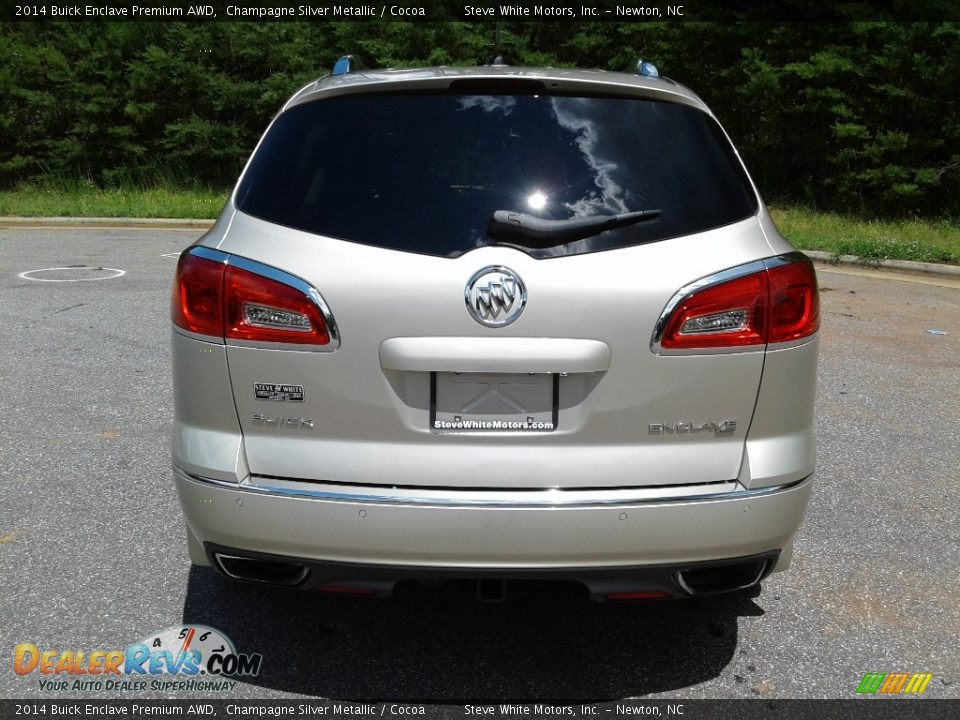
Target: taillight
(763,302)
(226,297)
(196,304)
(263,310)
(731,313)
(794,301)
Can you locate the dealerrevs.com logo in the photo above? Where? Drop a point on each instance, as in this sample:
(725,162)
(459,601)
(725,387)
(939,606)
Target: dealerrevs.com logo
(182,657)
(894,683)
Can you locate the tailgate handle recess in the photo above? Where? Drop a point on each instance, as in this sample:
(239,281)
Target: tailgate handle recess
(494,355)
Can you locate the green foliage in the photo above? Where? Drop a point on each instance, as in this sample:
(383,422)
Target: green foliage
(858,117)
(73,198)
(910,239)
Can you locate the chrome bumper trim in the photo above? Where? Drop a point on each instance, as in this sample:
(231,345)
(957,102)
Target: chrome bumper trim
(547,498)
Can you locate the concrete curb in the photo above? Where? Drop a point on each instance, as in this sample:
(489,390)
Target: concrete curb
(93,222)
(907,266)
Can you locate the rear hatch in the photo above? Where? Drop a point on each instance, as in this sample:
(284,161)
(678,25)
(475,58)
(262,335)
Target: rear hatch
(474,353)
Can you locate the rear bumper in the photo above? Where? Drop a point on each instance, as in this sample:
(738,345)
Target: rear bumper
(396,536)
(611,583)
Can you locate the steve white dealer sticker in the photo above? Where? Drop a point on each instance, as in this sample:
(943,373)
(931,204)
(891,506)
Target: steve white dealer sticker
(277,391)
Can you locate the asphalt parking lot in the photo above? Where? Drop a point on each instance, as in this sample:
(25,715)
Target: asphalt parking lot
(92,553)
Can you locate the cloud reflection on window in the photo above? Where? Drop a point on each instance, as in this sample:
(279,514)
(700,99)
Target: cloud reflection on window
(489,103)
(574,114)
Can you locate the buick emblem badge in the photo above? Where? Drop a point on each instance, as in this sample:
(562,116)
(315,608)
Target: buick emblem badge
(495,296)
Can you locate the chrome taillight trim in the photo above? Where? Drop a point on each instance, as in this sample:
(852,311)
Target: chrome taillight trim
(704,283)
(207,253)
(285,278)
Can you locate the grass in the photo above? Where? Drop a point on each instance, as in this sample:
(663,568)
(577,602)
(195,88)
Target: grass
(870,240)
(80,199)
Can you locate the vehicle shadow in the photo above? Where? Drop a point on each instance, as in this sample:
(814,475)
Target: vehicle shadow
(445,646)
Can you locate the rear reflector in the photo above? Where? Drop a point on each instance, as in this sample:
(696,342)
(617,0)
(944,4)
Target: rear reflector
(638,595)
(219,296)
(346,590)
(762,302)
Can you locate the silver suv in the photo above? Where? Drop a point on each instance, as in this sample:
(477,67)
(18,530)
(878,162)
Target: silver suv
(494,324)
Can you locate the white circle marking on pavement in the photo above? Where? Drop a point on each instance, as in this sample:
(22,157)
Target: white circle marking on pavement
(28,275)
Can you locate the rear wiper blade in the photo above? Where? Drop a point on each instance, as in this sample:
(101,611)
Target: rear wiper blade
(530,230)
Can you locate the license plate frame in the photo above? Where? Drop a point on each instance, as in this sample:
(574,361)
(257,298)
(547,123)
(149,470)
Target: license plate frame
(540,419)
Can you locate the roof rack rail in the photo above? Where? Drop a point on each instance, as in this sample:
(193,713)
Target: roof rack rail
(348,64)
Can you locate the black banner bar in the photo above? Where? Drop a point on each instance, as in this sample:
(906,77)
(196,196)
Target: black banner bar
(477,10)
(874,708)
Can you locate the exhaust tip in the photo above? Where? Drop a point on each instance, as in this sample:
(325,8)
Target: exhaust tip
(269,572)
(723,578)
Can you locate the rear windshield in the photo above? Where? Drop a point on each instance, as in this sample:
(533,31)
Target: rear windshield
(425,172)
